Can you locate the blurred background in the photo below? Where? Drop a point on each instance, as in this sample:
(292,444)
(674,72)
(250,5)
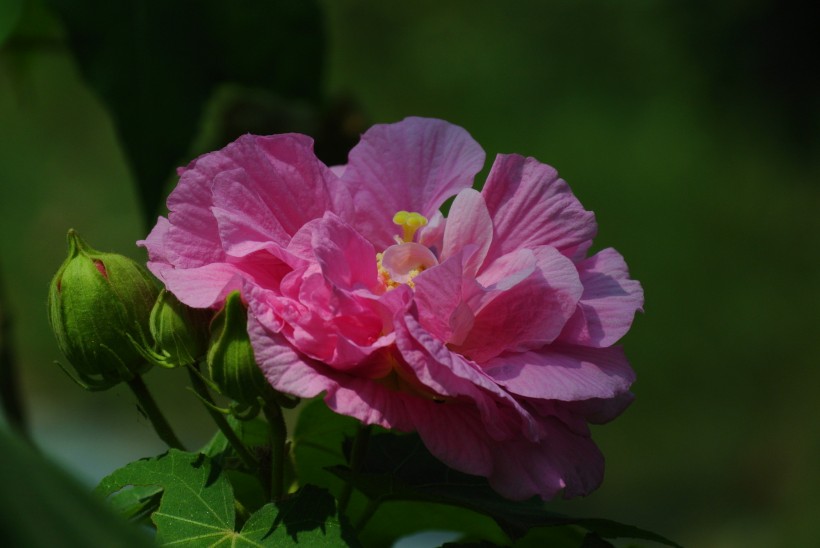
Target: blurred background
(691,129)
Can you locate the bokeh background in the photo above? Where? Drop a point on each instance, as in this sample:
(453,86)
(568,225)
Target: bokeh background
(690,128)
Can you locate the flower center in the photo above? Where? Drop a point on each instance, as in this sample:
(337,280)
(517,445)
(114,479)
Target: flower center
(402,262)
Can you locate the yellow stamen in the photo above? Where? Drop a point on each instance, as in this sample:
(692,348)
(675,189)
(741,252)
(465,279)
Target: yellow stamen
(384,275)
(411,222)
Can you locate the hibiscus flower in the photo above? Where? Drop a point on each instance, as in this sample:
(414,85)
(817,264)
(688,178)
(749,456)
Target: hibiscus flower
(488,332)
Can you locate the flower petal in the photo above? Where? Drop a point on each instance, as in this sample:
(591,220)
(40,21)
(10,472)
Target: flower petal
(278,183)
(531,206)
(346,258)
(468,224)
(442,295)
(561,461)
(609,302)
(566,373)
(527,313)
(413,165)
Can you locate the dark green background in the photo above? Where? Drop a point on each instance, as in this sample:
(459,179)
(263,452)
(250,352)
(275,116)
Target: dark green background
(689,128)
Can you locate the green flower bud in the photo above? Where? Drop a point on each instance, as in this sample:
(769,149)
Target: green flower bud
(180,332)
(231,363)
(98,303)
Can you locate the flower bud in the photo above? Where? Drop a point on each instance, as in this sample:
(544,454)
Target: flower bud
(180,332)
(231,363)
(97,303)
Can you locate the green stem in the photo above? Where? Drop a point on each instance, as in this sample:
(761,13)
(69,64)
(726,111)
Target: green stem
(363,520)
(149,406)
(357,454)
(278,440)
(247,458)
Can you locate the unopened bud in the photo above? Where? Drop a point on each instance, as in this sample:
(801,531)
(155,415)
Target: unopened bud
(180,332)
(98,303)
(231,363)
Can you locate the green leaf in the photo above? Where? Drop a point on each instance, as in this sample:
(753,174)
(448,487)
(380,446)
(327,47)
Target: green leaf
(137,503)
(197,507)
(318,442)
(155,64)
(197,501)
(41,505)
(400,467)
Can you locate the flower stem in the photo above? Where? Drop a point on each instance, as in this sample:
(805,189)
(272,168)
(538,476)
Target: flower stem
(357,454)
(149,407)
(247,458)
(278,440)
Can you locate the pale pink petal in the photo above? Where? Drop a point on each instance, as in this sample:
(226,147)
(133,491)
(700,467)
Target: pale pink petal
(529,314)
(413,165)
(566,373)
(608,303)
(468,224)
(531,206)
(431,235)
(203,286)
(404,261)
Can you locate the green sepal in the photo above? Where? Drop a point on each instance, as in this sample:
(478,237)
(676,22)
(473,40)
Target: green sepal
(231,363)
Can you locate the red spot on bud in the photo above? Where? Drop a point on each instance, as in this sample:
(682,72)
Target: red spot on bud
(101,267)
(60,285)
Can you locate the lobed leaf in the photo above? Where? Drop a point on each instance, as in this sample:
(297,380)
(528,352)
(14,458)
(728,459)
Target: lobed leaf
(197,507)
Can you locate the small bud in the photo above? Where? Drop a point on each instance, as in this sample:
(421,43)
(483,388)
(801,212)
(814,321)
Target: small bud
(97,303)
(180,332)
(231,363)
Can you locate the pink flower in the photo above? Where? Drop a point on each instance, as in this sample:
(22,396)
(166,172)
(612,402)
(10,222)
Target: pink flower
(488,332)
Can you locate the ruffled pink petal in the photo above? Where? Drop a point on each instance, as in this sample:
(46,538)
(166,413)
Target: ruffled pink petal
(450,374)
(469,223)
(413,165)
(529,313)
(609,302)
(531,206)
(192,239)
(285,183)
(442,296)
(286,369)
(243,219)
(600,410)
(561,462)
(566,373)
(154,243)
(344,342)
(346,258)
(203,286)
